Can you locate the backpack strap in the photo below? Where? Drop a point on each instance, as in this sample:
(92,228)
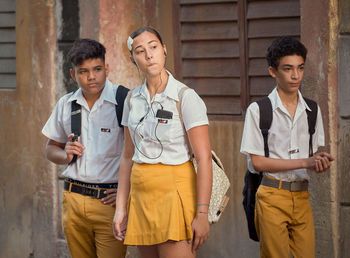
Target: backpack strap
(265,109)
(178,106)
(75,123)
(311,120)
(120,98)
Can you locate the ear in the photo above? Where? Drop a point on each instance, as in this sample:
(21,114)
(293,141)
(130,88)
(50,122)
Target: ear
(72,74)
(107,69)
(165,51)
(272,72)
(132,60)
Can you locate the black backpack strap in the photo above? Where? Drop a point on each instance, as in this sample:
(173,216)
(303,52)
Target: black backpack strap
(265,109)
(120,97)
(75,123)
(311,120)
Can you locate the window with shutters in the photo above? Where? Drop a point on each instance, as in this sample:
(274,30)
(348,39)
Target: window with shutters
(7,44)
(222,46)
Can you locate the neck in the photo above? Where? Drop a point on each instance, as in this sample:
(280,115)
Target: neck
(91,98)
(156,84)
(288,97)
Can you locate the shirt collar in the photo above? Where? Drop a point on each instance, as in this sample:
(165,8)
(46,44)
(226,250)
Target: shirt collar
(277,103)
(170,89)
(107,94)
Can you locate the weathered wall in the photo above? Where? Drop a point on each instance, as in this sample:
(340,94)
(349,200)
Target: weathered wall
(344,127)
(319,24)
(27,210)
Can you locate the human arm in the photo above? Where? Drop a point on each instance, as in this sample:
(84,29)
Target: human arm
(199,140)
(319,163)
(62,153)
(120,216)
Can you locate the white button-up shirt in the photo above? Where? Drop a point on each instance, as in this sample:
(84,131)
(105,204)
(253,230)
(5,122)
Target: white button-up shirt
(285,135)
(161,140)
(100,134)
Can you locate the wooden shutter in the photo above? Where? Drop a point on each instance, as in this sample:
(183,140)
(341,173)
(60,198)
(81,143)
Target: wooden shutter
(222,45)
(265,21)
(7,44)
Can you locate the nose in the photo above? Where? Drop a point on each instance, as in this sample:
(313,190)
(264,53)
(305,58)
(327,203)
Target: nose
(149,54)
(91,75)
(295,74)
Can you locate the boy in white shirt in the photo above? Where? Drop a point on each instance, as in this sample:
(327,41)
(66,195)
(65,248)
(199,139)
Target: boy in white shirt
(283,216)
(91,180)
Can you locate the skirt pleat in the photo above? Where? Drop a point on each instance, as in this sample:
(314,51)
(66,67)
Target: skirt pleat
(161,205)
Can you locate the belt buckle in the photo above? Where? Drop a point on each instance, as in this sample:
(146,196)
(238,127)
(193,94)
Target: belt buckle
(98,193)
(294,186)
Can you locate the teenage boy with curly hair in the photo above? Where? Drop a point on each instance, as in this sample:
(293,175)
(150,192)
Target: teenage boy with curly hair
(283,216)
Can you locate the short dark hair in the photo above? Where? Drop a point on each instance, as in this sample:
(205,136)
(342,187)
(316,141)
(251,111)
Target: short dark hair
(149,29)
(284,46)
(83,49)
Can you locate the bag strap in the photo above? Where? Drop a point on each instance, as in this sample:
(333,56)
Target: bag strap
(178,106)
(120,96)
(265,109)
(75,123)
(311,120)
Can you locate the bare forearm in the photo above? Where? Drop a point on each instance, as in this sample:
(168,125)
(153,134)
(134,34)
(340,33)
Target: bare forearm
(204,180)
(123,184)
(56,154)
(262,163)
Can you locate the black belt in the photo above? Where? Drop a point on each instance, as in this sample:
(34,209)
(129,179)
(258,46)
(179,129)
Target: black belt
(88,189)
(295,186)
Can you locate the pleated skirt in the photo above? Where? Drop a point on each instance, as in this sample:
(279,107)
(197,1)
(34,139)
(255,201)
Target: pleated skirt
(162,203)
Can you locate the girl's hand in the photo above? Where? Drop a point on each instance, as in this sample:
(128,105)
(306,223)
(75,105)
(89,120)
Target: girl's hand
(120,222)
(200,229)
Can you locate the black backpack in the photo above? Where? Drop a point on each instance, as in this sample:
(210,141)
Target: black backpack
(252,181)
(120,96)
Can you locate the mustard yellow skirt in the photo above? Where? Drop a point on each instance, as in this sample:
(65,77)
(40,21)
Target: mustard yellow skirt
(162,203)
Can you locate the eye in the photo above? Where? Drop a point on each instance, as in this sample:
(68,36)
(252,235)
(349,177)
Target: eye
(98,69)
(139,52)
(301,68)
(82,71)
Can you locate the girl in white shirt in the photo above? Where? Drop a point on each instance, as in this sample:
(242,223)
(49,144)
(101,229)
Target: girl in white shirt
(162,205)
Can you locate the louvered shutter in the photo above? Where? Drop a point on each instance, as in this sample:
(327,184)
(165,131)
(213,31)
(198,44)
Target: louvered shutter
(222,46)
(7,44)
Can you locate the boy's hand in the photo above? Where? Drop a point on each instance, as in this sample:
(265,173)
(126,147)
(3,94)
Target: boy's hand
(110,198)
(73,148)
(321,161)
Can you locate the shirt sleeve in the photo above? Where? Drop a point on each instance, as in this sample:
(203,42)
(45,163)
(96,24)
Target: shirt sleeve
(53,128)
(126,110)
(252,139)
(318,137)
(194,111)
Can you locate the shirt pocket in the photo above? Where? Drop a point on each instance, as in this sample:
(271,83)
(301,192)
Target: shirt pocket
(109,142)
(158,130)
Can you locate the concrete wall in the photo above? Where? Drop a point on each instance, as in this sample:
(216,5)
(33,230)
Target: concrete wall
(344,127)
(27,212)
(29,196)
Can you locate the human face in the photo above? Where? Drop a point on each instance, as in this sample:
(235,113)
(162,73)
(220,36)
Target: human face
(149,54)
(289,73)
(90,76)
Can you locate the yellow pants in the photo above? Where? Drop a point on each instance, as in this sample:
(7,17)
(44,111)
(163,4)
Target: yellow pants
(284,223)
(87,224)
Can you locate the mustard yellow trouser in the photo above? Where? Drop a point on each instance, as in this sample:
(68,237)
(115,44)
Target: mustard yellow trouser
(284,223)
(87,224)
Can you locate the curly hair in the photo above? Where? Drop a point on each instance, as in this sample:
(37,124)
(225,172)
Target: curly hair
(284,46)
(83,49)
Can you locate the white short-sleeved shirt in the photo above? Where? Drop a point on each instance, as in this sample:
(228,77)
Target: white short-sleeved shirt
(100,134)
(286,134)
(145,127)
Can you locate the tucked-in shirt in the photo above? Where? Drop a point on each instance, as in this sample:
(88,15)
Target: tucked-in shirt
(100,134)
(288,138)
(157,139)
